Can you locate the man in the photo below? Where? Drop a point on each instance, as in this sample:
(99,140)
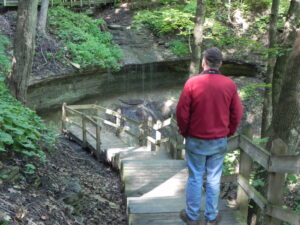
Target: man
(209,110)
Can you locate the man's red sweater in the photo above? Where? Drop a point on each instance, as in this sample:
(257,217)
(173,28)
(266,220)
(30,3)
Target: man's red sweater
(209,107)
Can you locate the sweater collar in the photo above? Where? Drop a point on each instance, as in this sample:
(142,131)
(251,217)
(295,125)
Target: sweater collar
(211,71)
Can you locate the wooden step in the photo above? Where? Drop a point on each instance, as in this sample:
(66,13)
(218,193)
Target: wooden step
(154,178)
(140,155)
(111,154)
(142,205)
(227,218)
(165,210)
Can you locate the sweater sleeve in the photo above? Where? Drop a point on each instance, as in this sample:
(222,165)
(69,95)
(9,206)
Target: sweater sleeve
(183,110)
(236,112)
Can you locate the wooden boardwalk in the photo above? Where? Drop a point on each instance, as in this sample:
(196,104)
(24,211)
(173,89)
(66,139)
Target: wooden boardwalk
(154,183)
(155,175)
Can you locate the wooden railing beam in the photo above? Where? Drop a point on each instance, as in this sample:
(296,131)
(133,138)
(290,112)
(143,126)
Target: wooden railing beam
(245,166)
(254,151)
(276,181)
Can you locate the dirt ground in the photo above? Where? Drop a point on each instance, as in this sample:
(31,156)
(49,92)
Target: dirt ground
(71,188)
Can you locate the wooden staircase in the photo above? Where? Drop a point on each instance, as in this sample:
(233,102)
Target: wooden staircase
(154,181)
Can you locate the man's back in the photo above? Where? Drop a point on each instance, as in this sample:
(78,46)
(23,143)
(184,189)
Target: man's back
(209,107)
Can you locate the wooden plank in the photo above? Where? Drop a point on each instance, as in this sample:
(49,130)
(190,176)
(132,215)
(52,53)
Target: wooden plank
(285,164)
(127,129)
(162,140)
(256,152)
(159,125)
(73,111)
(245,166)
(227,218)
(151,139)
(90,120)
(143,205)
(229,178)
(107,122)
(233,143)
(91,134)
(276,181)
(75,124)
(88,106)
(286,215)
(252,192)
(164,177)
(134,122)
(110,123)
(112,152)
(139,155)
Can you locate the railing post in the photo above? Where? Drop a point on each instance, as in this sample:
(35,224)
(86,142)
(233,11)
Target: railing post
(98,141)
(63,118)
(276,181)
(142,134)
(244,170)
(149,133)
(158,136)
(118,122)
(84,139)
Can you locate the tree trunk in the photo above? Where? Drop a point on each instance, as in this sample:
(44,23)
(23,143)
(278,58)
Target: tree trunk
(198,37)
(24,47)
(267,109)
(287,40)
(43,16)
(286,120)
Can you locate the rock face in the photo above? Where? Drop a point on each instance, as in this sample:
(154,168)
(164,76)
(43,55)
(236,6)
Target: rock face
(51,92)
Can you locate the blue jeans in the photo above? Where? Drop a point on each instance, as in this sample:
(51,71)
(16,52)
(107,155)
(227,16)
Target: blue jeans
(204,157)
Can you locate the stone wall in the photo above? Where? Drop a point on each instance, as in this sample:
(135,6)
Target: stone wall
(51,92)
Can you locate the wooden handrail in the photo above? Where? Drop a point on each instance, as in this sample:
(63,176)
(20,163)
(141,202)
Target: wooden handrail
(272,163)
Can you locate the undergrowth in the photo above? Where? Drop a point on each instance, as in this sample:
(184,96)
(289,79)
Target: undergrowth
(21,130)
(85,43)
(179,19)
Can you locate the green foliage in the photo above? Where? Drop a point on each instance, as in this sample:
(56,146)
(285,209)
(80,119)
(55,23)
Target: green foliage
(261,141)
(21,130)
(258,5)
(292,179)
(251,91)
(2,222)
(258,183)
(230,162)
(165,20)
(84,41)
(30,169)
(179,48)
(4,60)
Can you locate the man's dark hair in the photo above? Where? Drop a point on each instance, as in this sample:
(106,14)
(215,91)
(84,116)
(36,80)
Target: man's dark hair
(213,57)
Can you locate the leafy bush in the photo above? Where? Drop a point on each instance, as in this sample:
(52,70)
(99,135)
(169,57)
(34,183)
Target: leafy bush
(258,5)
(21,130)
(230,162)
(84,41)
(165,20)
(251,91)
(179,48)
(4,60)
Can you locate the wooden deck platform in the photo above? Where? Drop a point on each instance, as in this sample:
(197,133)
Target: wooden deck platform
(154,184)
